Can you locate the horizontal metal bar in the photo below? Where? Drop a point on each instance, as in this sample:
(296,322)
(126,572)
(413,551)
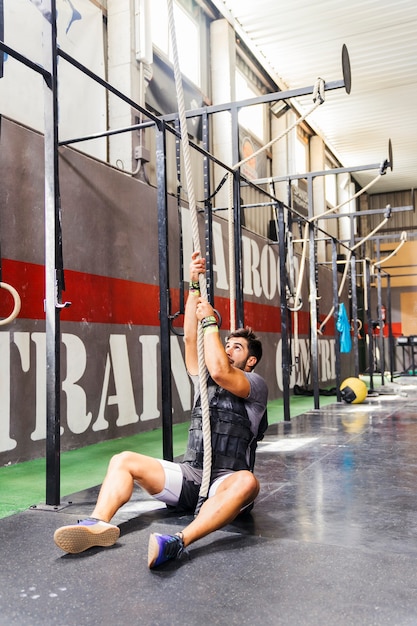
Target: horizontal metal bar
(106,133)
(335,170)
(30,64)
(398,209)
(255,205)
(402,275)
(326,239)
(266,98)
(107,86)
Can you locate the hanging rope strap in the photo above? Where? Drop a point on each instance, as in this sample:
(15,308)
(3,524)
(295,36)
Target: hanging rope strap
(403,239)
(297,298)
(349,256)
(356,195)
(318,98)
(16,305)
(202,371)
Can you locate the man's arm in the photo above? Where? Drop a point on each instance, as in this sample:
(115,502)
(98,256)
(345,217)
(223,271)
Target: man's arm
(216,359)
(197,267)
(220,369)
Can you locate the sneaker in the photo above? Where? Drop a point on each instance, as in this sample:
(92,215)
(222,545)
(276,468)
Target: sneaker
(86,534)
(162,548)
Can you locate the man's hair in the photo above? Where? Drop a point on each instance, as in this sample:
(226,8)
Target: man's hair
(254,343)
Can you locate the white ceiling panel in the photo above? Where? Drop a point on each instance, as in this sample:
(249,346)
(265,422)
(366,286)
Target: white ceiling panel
(300,40)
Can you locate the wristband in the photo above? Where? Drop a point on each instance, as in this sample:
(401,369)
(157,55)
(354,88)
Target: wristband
(210,320)
(194,287)
(213,328)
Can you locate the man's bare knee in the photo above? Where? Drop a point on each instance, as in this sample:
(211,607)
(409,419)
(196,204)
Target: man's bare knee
(126,461)
(249,484)
(243,483)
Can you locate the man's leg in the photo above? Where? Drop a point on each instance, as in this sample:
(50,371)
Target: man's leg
(232,495)
(123,471)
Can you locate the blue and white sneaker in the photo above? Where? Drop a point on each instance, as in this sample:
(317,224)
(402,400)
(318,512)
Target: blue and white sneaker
(86,534)
(163,548)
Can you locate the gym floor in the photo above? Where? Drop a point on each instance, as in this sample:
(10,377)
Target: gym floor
(332,538)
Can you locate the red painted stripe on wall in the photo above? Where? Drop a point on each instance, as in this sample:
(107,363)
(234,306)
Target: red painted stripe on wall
(102,299)
(94,298)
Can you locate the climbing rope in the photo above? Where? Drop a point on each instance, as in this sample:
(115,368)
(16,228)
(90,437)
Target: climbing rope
(306,232)
(318,99)
(202,371)
(349,256)
(356,195)
(297,297)
(403,239)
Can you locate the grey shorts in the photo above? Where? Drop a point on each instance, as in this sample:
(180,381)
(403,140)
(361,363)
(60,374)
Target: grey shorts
(182,485)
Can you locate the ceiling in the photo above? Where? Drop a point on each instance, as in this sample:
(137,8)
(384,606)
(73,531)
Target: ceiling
(300,40)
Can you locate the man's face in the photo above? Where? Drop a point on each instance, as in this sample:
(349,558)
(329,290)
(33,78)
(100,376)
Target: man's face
(238,353)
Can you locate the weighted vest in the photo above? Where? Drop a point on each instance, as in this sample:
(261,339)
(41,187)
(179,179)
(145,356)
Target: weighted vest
(230,432)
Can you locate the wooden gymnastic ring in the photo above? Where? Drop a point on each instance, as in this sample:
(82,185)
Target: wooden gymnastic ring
(17,303)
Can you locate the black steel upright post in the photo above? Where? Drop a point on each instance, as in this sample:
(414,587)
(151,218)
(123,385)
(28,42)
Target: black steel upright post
(240,320)
(391,344)
(314,348)
(164,302)
(285,351)
(180,234)
(370,331)
(354,298)
(237,213)
(52,242)
(335,286)
(381,323)
(208,212)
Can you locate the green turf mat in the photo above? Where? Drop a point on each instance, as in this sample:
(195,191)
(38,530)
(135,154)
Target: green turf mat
(24,484)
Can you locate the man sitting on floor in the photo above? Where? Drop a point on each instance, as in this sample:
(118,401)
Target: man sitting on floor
(237,401)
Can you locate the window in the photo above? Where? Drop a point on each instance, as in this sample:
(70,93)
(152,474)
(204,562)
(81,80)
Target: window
(187,35)
(251,118)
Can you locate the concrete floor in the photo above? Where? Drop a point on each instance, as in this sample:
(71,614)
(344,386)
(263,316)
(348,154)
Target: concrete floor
(332,538)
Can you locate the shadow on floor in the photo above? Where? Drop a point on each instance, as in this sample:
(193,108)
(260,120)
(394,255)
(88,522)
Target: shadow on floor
(332,538)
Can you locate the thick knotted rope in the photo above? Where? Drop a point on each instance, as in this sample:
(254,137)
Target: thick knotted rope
(202,371)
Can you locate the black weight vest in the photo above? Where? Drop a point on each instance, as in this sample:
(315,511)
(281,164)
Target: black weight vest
(231,434)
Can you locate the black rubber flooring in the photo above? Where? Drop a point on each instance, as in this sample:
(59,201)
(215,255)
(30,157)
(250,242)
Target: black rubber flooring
(332,539)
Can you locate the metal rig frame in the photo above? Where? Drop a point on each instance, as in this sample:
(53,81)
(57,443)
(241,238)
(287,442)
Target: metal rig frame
(54,272)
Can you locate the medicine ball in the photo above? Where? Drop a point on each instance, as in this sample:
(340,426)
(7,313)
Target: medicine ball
(353,390)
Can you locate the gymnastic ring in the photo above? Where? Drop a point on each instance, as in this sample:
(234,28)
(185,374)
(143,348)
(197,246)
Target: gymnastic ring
(359,324)
(17,303)
(180,332)
(219,317)
(297,307)
(177,331)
